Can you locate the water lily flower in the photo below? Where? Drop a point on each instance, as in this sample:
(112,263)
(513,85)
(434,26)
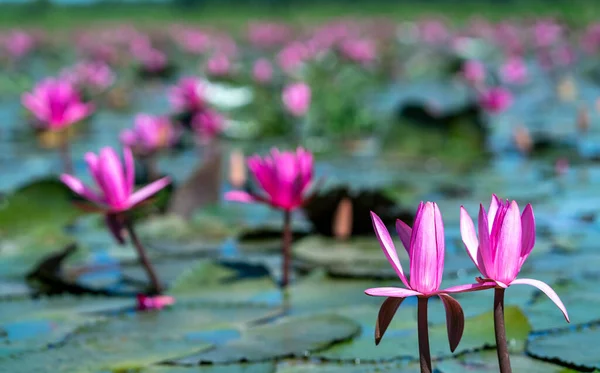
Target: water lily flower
(56,104)
(19,43)
(96,75)
(218,65)
(514,71)
(425,246)
(296,98)
(114,181)
(262,71)
(187,95)
(208,124)
(495,100)
(284,178)
(150,134)
(473,72)
(502,243)
(115,195)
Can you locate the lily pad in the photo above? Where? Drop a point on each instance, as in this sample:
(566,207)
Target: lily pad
(41,206)
(403,342)
(225,368)
(356,367)
(575,348)
(290,337)
(487,362)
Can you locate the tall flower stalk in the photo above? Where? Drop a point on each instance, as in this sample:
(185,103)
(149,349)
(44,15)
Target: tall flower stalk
(115,196)
(504,240)
(284,179)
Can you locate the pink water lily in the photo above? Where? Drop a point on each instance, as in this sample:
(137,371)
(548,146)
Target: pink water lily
(284,178)
(425,245)
(262,71)
(495,100)
(504,240)
(150,134)
(296,98)
(56,104)
(114,181)
(187,95)
(155,302)
(208,124)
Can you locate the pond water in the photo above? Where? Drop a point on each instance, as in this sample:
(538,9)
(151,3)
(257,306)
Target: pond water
(223,266)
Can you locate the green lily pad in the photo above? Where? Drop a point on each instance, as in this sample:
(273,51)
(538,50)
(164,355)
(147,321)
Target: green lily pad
(225,368)
(401,341)
(304,367)
(487,362)
(41,206)
(211,282)
(290,337)
(576,348)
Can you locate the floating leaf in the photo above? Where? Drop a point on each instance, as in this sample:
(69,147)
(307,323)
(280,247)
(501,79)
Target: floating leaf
(403,342)
(290,337)
(487,362)
(576,348)
(225,368)
(356,367)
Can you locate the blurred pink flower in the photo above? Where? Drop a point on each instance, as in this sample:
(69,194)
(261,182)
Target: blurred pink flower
(114,181)
(495,100)
(208,124)
(361,51)
(292,56)
(546,33)
(95,74)
(150,134)
(514,71)
(284,178)
(296,98)
(56,104)
(268,35)
(153,60)
(187,95)
(262,71)
(473,72)
(590,40)
(155,302)
(432,31)
(18,43)
(218,65)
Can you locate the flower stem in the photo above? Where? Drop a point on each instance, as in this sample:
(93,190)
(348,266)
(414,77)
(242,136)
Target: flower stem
(286,246)
(423,327)
(156,287)
(499,326)
(65,156)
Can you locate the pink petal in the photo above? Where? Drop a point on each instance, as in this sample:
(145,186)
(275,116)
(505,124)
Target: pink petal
(76,112)
(239,196)
(391,292)
(110,173)
(528,233)
(484,254)
(424,252)
(387,245)
(80,188)
(494,204)
(455,320)
(386,314)
(92,161)
(404,232)
(508,250)
(469,237)
(469,287)
(156,302)
(129,170)
(546,290)
(148,191)
(440,244)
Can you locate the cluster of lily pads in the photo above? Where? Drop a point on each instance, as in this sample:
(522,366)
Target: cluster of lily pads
(388,113)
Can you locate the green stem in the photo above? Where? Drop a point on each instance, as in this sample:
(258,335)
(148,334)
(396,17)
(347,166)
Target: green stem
(156,287)
(286,246)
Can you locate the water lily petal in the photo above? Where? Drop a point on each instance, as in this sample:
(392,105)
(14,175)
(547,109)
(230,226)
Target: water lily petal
(80,188)
(239,196)
(468,234)
(455,320)
(129,170)
(546,290)
(484,254)
(424,252)
(391,292)
(148,191)
(404,232)
(491,216)
(528,233)
(469,287)
(387,245)
(386,314)
(508,249)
